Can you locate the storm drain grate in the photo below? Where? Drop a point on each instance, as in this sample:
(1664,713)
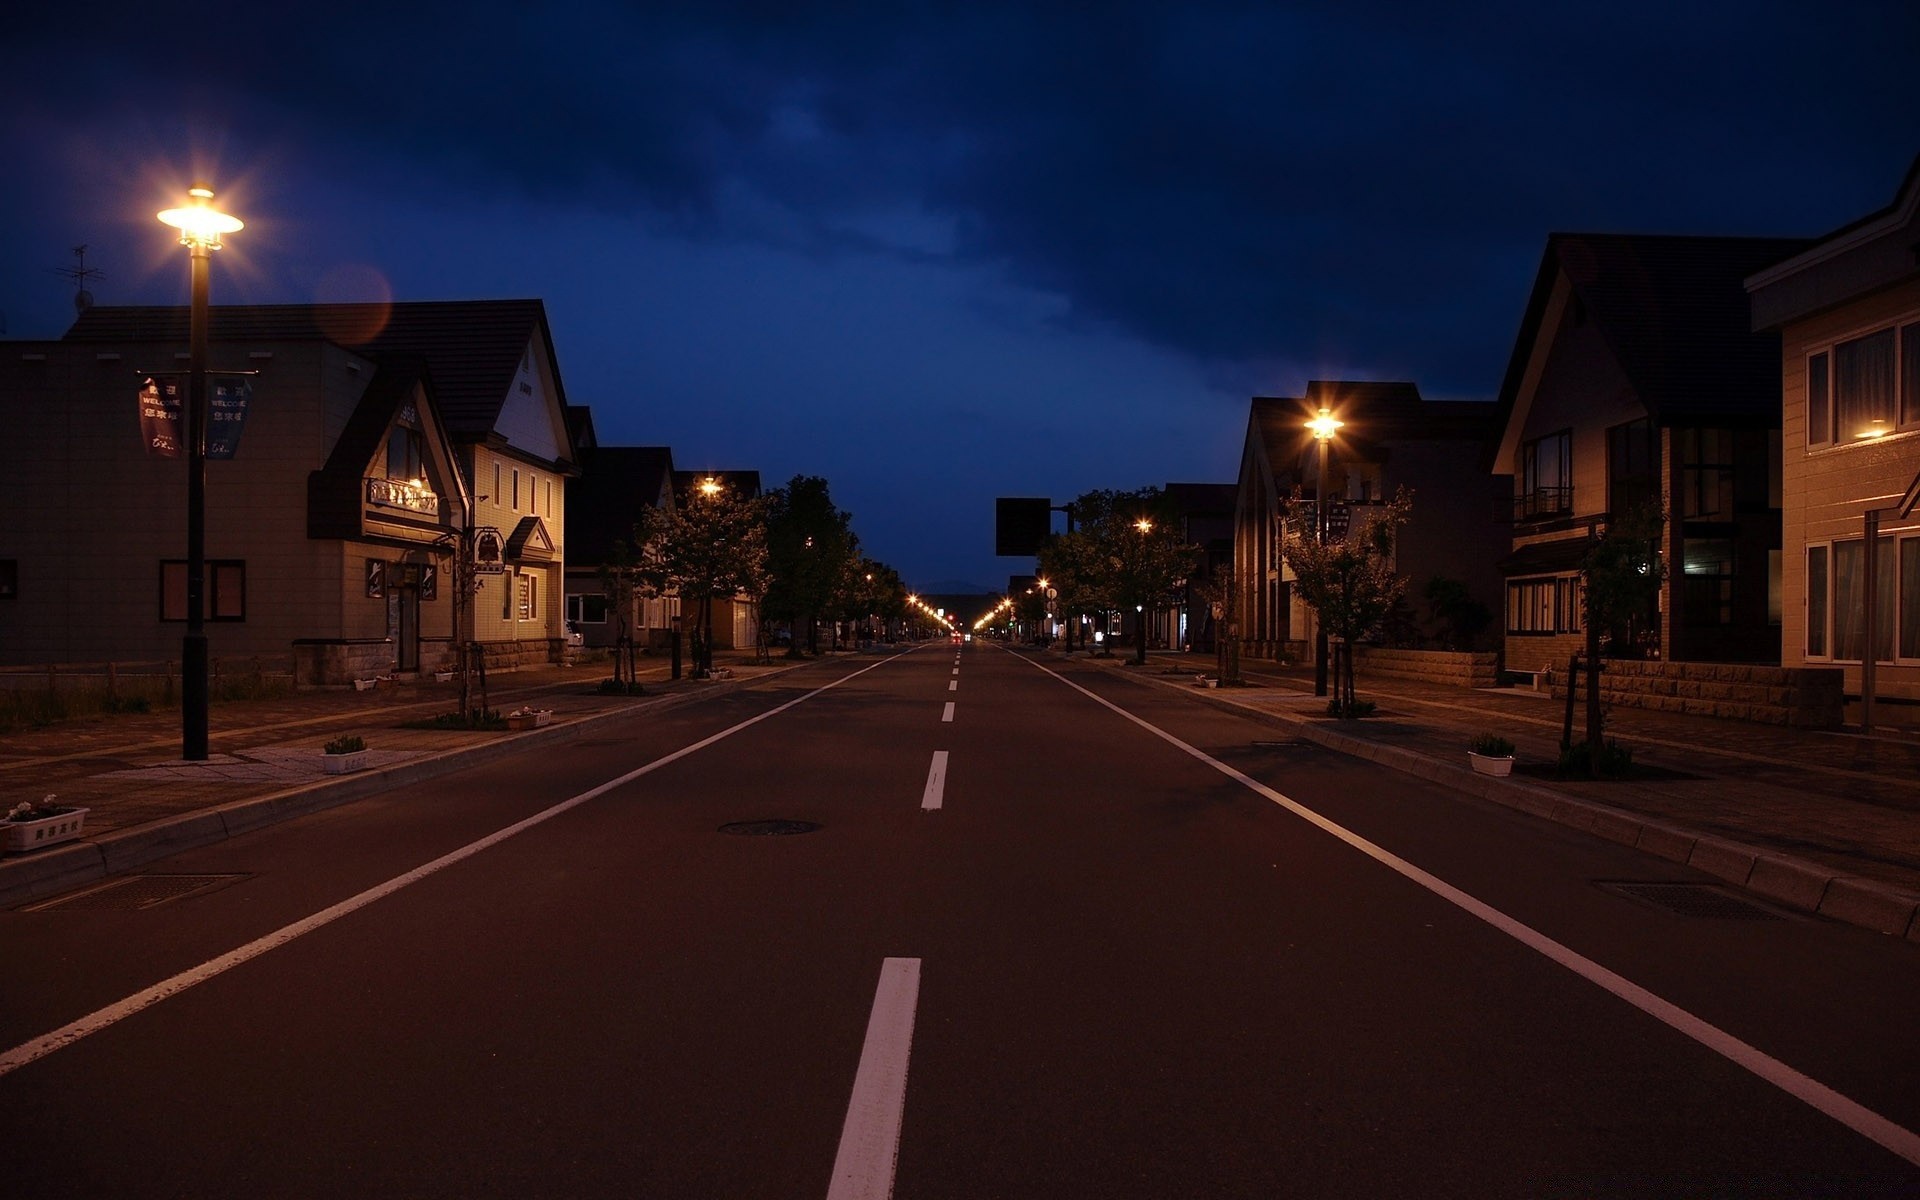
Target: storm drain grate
(769,828)
(136,892)
(1695,900)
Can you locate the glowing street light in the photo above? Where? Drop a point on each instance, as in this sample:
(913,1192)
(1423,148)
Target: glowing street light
(201,226)
(1323,428)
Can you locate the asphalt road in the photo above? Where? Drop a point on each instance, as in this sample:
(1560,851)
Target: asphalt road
(1034,949)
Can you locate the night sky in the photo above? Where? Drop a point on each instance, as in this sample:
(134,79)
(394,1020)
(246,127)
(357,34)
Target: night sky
(942,253)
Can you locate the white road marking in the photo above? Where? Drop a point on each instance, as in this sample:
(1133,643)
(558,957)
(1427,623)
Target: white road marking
(953,685)
(100,1019)
(1854,1115)
(870,1139)
(947,714)
(936,782)
(956,670)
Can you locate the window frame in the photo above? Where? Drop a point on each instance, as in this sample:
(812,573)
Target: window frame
(1526,476)
(1902,608)
(234,570)
(1824,402)
(1552,600)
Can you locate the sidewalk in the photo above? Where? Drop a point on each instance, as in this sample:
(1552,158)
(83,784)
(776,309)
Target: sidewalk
(264,762)
(1823,820)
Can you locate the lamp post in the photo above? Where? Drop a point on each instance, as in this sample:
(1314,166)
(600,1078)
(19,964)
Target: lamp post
(1323,427)
(200,226)
(1144,527)
(710,487)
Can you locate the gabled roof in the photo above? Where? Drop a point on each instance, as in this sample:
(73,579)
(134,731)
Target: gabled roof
(473,347)
(529,541)
(336,496)
(1877,251)
(604,502)
(1673,313)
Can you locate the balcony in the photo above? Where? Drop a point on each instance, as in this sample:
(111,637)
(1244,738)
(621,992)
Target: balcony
(409,494)
(1540,504)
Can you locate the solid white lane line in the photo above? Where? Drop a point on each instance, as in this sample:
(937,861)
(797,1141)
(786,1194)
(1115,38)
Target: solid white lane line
(947,714)
(96,1021)
(870,1139)
(953,685)
(936,782)
(1854,1115)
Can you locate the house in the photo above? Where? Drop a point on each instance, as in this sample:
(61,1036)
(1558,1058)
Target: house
(1636,380)
(605,502)
(379,441)
(1846,312)
(1205,513)
(1389,438)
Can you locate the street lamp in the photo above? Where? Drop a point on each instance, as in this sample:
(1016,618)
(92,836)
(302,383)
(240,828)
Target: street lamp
(710,488)
(1323,427)
(200,225)
(1145,527)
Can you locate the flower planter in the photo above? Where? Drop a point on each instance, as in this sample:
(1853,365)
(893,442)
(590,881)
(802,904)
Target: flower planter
(443,676)
(532,720)
(22,836)
(1488,764)
(365,685)
(344,764)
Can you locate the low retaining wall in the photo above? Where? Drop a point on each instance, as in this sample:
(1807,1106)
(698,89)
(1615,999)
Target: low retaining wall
(1802,697)
(1428,666)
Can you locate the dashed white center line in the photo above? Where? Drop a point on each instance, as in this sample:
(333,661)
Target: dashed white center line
(936,782)
(956,670)
(953,685)
(870,1139)
(947,715)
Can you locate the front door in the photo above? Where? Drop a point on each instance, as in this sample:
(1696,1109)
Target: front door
(403,626)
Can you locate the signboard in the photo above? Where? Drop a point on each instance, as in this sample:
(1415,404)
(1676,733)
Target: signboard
(489,551)
(1021,524)
(163,397)
(1339,520)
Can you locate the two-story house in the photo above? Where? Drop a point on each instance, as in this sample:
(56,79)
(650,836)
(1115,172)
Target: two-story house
(1846,311)
(1637,382)
(605,504)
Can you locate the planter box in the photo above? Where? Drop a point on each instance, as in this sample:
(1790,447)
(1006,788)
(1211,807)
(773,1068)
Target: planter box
(1488,764)
(344,764)
(443,676)
(22,836)
(532,720)
(365,685)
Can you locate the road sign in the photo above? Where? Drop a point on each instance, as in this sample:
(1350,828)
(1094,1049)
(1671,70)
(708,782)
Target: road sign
(1020,525)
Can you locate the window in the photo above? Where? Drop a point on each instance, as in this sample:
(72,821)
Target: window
(1706,474)
(405,459)
(508,587)
(1836,599)
(1706,591)
(589,608)
(549,497)
(1910,597)
(497,495)
(226,590)
(516,489)
(9,579)
(529,607)
(1633,465)
(1545,476)
(1544,606)
(1864,387)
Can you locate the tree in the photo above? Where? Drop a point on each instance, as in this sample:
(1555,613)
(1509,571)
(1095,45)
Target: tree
(714,545)
(1223,602)
(621,580)
(1620,579)
(808,545)
(1350,582)
(1461,618)
(1126,553)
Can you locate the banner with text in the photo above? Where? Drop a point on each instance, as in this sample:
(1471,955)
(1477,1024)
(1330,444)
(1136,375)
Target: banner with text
(163,429)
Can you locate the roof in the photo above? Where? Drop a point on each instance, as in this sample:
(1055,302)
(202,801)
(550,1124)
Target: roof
(1860,258)
(1544,558)
(605,501)
(473,347)
(1673,312)
(1374,415)
(334,492)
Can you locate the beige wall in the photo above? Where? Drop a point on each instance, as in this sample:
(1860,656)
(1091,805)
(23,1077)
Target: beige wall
(542,493)
(1825,491)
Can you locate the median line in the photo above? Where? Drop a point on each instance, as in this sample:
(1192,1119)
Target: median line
(947,713)
(936,782)
(869,1152)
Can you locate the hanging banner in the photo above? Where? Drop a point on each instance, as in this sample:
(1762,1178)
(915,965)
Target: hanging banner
(227,398)
(162,400)
(160,416)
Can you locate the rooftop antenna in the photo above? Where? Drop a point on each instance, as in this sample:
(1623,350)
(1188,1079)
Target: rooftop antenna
(80,273)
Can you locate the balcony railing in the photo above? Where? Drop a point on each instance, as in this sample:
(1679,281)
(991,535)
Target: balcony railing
(1536,505)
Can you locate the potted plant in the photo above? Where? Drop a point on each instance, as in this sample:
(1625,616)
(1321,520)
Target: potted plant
(1491,755)
(529,718)
(344,755)
(29,826)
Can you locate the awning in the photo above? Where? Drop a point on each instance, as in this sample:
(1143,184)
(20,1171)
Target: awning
(1545,558)
(529,542)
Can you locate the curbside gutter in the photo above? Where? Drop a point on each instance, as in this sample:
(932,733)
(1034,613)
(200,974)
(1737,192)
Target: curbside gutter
(1783,879)
(63,868)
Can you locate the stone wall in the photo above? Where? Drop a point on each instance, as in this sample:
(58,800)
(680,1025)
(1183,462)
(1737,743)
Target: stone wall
(337,662)
(1803,697)
(1428,666)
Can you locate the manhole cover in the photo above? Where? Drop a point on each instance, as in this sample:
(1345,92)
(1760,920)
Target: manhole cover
(135,892)
(769,828)
(1695,900)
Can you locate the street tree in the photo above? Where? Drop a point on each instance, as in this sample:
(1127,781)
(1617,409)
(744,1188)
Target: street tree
(1223,602)
(1126,553)
(809,543)
(711,546)
(1620,577)
(1349,582)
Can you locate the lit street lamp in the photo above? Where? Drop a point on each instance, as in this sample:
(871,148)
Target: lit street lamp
(1145,527)
(200,226)
(1323,427)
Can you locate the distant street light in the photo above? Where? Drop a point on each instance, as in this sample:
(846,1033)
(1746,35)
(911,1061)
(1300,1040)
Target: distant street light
(1323,427)
(200,225)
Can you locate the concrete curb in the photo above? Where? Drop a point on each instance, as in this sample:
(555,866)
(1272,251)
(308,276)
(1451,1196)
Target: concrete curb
(1780,878)
(76,864)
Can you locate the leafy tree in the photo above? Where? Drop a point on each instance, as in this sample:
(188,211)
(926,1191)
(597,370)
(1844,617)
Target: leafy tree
(1350,583)
(1620,576)
(1126,554)
(1223,601)
(711,546)
(1461,618)
(809,544)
